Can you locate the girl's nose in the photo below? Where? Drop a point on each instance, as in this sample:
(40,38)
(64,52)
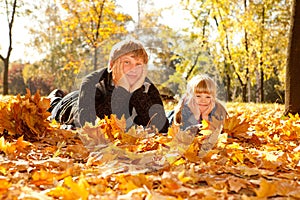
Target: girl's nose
(202,100)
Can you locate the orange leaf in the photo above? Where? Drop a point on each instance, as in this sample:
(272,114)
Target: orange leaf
(21,144)
(4,186)
(234,127)
(7,147)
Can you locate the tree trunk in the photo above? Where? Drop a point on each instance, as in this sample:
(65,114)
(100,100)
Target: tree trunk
(262,96)
(5,76)
(6,59)
(261,63)
(228,84)
(292,97)
(244,92)
(257,87)
(248,91)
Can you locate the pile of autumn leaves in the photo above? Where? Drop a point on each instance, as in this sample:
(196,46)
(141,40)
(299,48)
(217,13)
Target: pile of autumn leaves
(255,157)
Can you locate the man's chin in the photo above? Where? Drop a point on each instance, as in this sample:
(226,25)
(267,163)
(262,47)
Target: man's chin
(132,80)
(131,83)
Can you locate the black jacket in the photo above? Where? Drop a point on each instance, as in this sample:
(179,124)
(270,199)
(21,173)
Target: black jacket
(99,97)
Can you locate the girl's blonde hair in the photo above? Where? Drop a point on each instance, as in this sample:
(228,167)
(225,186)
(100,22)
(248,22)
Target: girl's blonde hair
(198,84)
(201,84)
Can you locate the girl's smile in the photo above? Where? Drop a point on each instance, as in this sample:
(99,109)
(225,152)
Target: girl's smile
(203,100)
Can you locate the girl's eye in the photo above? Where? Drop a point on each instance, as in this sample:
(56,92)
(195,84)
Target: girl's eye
(203,96)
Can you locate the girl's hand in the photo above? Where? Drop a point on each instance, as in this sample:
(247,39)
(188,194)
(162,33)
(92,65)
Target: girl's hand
(208,110)
(119,76)
(140,81)
(194,107)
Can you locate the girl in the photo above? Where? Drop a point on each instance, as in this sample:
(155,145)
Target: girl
(199,103)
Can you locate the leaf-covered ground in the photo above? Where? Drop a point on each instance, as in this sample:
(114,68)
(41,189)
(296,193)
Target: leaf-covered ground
(255,157)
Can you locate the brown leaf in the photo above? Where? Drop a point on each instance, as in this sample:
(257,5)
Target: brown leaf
(236,184)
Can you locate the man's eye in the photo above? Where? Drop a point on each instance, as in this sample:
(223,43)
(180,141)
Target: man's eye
(126,62)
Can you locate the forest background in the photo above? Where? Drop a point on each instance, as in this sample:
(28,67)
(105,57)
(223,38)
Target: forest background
(241,44)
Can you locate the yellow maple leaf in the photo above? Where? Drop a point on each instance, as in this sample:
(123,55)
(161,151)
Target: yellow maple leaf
(61,192)
(21,144)
(79,189)
(183,178)
(4,186)
(192,152)
(92,137)
(25,115)
(205,124)
(128,183)
(236,127)
(266,189)
(43,177)
(7,147)
(179,161)
(173,130)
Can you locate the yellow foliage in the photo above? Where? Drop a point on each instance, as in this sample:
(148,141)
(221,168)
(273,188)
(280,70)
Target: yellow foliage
(6,147)
(137,164)
(26,116)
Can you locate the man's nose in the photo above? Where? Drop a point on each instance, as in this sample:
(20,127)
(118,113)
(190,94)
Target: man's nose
(135,66)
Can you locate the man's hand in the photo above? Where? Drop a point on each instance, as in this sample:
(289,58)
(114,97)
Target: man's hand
(119,76)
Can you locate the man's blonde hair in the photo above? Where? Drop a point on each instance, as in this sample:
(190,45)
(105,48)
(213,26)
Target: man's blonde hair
(128,46)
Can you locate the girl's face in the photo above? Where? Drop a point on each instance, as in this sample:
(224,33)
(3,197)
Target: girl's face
(132,67)
(203,100)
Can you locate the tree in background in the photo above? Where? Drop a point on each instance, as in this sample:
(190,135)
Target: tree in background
(57,61)
(240,43)
(74,38)
(93,21)
(292,97)
(246,40)
(10,12)
(163,44)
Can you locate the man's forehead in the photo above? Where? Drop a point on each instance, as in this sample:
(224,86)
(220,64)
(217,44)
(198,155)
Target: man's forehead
(131,55)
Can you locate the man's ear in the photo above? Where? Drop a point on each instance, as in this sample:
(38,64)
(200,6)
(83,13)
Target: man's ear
(110,66)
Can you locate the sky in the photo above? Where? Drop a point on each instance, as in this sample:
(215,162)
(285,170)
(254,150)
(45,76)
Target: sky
(174,18)
(21,37)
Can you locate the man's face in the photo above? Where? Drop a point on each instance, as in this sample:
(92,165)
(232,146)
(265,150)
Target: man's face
(132,67)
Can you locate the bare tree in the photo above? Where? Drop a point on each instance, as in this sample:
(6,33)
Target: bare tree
(292,97)
(10,20)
